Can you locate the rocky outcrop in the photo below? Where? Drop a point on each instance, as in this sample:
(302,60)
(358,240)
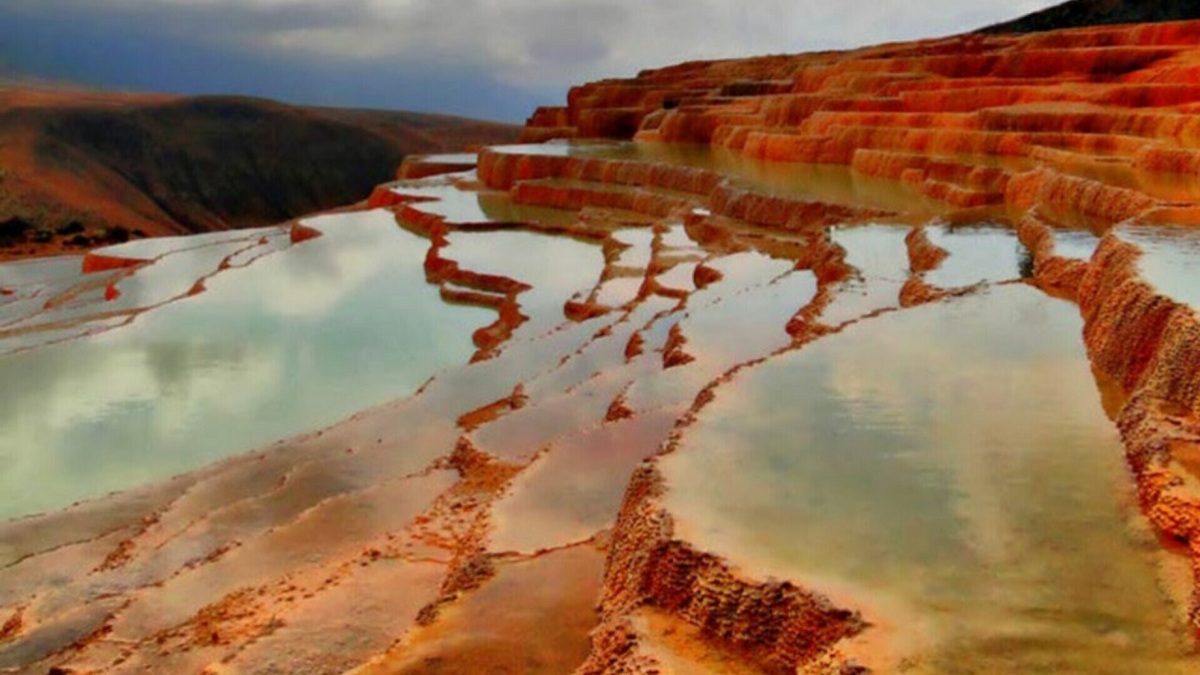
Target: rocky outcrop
(1148,345)
(1053,273)
(774,624)
(653,188)
(1095,12)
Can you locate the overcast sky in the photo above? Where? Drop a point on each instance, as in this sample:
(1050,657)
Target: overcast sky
(485,58)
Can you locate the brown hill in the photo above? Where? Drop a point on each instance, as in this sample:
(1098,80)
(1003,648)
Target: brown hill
(86,166)
(1079,13)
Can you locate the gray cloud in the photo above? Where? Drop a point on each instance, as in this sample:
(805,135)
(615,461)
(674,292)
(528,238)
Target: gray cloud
(491,58)
(547,43)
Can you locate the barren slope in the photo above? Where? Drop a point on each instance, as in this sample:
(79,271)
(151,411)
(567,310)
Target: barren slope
(174,165)
(1078,13)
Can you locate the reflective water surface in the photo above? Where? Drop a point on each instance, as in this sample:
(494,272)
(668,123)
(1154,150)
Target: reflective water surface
(1170,259)
(946,469)
(293,342)
(950,469)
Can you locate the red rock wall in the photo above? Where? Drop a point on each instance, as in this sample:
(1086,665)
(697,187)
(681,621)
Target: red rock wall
(650,188)
(1149,346)
(776,625)
(1124,95)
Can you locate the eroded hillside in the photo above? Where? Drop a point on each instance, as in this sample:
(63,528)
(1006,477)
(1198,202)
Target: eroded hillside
(82,168)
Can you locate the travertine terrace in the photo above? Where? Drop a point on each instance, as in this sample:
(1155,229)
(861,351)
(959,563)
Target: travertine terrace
(818,363)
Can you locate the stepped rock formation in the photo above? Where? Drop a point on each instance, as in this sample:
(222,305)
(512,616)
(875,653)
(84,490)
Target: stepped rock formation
(562,503)
(1088,127)
(1097,123)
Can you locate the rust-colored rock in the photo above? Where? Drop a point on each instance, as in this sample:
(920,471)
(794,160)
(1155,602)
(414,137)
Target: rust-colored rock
(917,292)
(956,118)
(492,411)
(634,347)
(301,233)
(675,350)
(1125,318)
(424,166)
(1054,274)
(1149,345)
(703,276)
(12,626)
(583,311)
(500,170)
(923,255)
(98,262)
(775,624)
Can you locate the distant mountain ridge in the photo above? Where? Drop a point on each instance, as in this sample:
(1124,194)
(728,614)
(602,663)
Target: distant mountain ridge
(1078,13)
(174,165)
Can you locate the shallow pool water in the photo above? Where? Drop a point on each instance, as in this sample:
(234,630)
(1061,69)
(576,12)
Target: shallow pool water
(679,277)
(875,251)
(638,252)
(1075,244)
(1170,259)
(555,268)
(567,148)
(823,182)
(949,471)
(56,296)
(290,343)
(14,275)
(983,253)
(451,158)
(458,200)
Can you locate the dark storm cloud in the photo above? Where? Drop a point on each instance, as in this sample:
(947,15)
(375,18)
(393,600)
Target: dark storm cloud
(410,52)
(235,18)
